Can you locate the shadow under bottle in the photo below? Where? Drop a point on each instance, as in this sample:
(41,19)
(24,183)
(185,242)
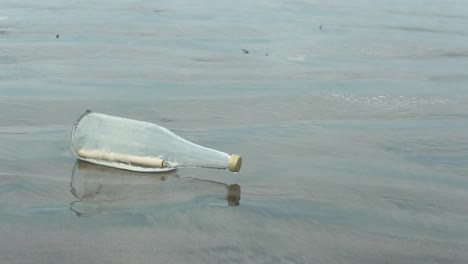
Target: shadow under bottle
(105,190)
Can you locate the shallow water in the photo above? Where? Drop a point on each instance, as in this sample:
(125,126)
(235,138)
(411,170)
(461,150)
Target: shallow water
(353,134)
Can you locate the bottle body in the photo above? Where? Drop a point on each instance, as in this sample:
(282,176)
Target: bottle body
(140,146)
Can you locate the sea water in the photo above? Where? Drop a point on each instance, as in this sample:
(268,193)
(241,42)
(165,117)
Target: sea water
(351,118)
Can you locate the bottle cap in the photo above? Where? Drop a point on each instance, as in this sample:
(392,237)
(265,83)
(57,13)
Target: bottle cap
(235,163)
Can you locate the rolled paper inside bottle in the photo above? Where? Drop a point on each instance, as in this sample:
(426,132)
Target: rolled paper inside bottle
(116,157)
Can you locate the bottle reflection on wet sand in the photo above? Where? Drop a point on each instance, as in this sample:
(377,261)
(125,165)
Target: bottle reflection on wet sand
(104,190)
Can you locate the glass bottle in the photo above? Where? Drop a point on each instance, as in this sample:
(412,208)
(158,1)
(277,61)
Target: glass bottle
(141,146)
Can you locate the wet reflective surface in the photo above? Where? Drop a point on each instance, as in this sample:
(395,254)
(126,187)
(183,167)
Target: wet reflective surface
(351,119)
(103,190)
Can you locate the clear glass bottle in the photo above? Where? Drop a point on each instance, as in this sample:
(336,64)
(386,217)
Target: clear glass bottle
(141,146)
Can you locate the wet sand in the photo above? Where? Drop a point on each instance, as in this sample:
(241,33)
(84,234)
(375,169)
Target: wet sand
(353,135)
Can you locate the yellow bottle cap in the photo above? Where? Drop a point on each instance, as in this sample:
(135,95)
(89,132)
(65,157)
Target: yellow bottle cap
(235,163)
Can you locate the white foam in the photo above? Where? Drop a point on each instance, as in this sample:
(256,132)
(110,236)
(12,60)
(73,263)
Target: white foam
(296,58)
(391,102)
